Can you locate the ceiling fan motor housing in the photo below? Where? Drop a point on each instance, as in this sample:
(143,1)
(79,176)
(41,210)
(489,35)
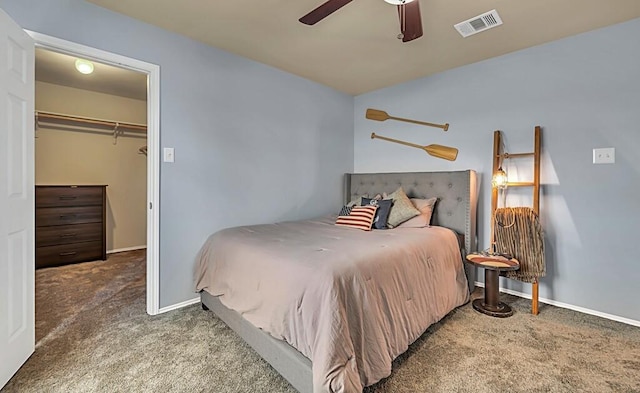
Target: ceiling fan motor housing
(408,13)
(398,2)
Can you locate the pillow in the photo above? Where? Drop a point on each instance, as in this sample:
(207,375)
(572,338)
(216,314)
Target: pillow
(346,210)
(360,217)
(382,214)
(357,201)
(424,218)
(402,209)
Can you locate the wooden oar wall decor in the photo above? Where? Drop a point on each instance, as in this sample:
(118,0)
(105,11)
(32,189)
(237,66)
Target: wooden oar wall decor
(378,115)
(439,151)
(444,152)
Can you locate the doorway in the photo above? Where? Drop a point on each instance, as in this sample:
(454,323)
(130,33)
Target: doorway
(150,147)
(90,187)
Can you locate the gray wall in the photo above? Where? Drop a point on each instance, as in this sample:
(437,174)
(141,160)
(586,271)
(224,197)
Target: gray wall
(585,93)
(253,144)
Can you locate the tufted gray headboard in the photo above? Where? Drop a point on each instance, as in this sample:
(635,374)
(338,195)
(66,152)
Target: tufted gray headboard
(456,192)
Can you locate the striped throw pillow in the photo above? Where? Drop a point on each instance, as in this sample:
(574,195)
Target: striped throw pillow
(346,210)
(361,217)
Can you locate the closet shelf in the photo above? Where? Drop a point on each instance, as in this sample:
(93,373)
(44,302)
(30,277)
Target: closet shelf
(50,117)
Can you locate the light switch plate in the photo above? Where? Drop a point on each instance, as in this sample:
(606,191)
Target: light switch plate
(606,155)
(168,154)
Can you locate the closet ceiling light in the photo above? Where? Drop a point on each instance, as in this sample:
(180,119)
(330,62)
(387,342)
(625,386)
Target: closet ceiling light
(84,66)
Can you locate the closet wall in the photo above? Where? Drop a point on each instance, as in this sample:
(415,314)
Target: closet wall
(86,157)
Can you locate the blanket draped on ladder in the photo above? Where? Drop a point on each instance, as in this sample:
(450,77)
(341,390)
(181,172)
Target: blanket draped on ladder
(518,232)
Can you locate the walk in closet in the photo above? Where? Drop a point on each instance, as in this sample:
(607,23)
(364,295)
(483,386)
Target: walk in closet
(90,163)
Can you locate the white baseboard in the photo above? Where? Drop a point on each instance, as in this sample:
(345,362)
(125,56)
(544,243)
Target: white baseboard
(126,249)
(568,306)
(179,305)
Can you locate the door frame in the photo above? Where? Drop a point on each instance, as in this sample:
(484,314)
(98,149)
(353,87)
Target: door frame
(153,145)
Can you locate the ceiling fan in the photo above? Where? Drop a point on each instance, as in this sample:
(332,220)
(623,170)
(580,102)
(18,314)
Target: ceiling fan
(408,13)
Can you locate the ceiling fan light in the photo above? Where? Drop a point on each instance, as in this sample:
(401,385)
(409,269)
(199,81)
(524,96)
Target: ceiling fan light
(84,66)
(398,2)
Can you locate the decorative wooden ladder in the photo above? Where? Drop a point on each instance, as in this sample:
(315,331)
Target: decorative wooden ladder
(498,156)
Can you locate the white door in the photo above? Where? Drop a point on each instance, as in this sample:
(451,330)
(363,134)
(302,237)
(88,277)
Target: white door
(17,267)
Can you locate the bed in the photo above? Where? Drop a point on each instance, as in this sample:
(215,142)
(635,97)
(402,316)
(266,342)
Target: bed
(338,307)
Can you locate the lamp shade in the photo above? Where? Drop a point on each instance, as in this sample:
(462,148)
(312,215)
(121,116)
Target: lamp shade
(499,179)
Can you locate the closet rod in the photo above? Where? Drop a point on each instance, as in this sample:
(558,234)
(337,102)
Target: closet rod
(44,116)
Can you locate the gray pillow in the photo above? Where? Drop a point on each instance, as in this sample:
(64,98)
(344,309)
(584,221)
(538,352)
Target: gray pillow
(382,214)
(402,209)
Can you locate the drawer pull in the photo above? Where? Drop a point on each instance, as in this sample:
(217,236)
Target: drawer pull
(68,216)
(67,197)
(69,235)
(67,254)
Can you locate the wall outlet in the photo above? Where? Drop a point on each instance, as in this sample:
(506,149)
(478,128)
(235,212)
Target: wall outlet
(605,155)
(168,154)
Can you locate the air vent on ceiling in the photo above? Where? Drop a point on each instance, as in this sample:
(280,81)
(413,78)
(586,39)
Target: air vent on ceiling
(479,23)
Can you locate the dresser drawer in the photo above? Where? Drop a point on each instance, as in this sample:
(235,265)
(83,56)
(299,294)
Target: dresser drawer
(51,196)
(68,215)
(68,253)
(67,234)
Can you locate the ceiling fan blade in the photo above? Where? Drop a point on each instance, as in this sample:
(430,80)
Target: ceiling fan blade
(412,26)
(323,11)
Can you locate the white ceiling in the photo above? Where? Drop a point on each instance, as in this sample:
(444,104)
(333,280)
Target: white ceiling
(58,68)
(355,50)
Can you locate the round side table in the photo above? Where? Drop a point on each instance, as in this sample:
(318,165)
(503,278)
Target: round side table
(492,265)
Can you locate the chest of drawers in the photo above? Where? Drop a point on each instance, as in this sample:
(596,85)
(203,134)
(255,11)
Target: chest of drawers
(70,224)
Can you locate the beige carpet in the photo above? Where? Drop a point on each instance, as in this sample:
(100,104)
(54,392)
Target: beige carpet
(93,335)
